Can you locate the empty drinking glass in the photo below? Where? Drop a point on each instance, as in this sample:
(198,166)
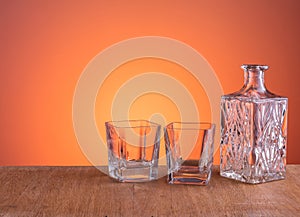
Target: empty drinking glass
(133,150)
(189,148)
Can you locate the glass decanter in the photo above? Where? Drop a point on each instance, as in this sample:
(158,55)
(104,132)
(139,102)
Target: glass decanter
(253,131)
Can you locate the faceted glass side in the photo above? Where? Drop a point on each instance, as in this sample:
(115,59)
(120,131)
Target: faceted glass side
(253,138)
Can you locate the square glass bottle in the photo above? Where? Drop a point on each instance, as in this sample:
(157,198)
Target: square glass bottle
(253,131)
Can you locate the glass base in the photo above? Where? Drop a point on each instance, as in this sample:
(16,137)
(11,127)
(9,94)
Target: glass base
(189,176)
(268,177)
(137,173)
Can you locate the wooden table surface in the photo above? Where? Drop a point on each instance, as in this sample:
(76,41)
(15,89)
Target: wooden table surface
(85,191)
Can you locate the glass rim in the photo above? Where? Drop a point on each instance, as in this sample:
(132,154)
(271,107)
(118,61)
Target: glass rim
(128,122)
(190,125)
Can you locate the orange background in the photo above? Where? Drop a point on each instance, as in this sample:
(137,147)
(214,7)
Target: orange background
(45,46)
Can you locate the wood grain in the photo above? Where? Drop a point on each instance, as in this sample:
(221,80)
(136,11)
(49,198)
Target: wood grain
(85,191)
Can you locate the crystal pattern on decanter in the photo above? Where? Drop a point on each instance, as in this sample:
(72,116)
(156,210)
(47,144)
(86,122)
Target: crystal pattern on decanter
(253,131)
